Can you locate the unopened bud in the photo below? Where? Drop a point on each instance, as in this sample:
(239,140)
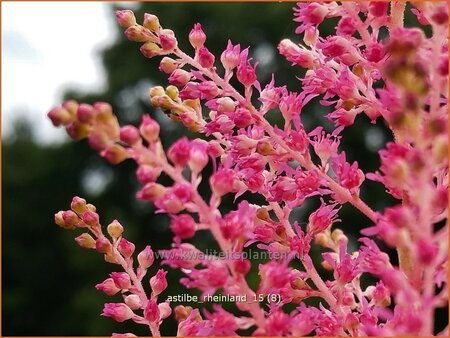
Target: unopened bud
(85,241)
(164,310)
(146,257)
(150,49)
(172,92)
(168,42)
(90,218)
(115,229)
(159,282)
(78,205)
(125,18)
(138,33)
(197,37)
(168,65)
(182,312)
(102,245)
(133,301)
(59,116)
(114,154)
(151,22)
(129,134)
(126,248)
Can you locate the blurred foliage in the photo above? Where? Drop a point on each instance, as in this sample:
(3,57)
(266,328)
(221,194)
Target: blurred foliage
(47,280)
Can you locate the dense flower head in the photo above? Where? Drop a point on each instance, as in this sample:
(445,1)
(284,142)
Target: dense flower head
(372,68)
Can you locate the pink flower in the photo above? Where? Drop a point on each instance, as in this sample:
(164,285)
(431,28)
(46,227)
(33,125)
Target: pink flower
(179,152)
(349,176)
(298,56)
(120,312)
(168,42)
(311,14)
(323,218)
(222,182)
(183,226)
(245,72)
(378,8)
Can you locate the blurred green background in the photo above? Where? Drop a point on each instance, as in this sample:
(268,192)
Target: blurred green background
(48,281)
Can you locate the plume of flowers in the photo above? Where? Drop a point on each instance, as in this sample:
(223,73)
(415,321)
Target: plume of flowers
(401,79)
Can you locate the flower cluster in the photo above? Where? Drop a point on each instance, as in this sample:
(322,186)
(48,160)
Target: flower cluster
(401,78)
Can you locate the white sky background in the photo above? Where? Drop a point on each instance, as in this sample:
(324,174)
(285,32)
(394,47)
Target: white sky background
(46,48)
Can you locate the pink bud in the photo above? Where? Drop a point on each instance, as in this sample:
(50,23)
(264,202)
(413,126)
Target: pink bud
(226,105)
(230,56)
(77,131)
(71,106)
(85,241)
(138,33)
(125,18)
(121,280)
(151,22)
(150,49)
(59,116)
(151,311)
(147,173)
(133,301)
(164,310)
(197,37)
(183,226)
(374,52)
(293,53)
(151,192)
(222,182)
(426,251)
(440,15)
(242,118)
(159,282)
(242,266)
(378,8)
(146,257)
(78,205)
(168,65)
(70,219)
(108,287)
(183,191)
(179,77)
(198,158)
(149,129)
(246,74)
(179,152)
(168,42)
(99,140)
(102,245)
(120,312)
(85,112)
(114,154)
(90,218)
(205,57)
(126,248)
(129,134)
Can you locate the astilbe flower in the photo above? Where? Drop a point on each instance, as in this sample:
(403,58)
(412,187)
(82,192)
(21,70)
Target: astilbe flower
(401,78)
